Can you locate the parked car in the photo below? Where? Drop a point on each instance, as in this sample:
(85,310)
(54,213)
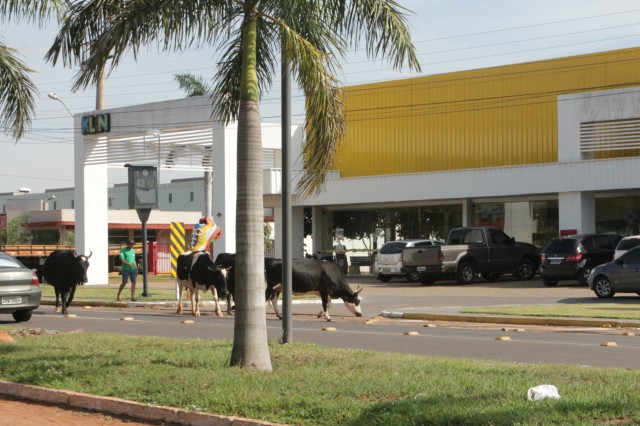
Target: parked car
(618,276)
(625,244)
(388,260)
(572,257)
(20,291)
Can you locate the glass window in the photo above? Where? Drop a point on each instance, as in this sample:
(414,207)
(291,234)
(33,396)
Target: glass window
(632,256)
(498,237)
(628,243)
(394,247)
(474,236)
(170,198)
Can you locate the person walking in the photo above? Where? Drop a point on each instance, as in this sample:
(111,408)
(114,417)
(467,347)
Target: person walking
(129,269)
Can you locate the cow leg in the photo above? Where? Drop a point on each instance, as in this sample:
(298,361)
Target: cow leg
(274,302)
(65,296)
(326,303)
(71,294)
(180,290)
(57,307)
(216,301)
(195,305)
(229,307)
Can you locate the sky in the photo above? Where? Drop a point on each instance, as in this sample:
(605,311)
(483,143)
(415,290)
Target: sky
(451,35)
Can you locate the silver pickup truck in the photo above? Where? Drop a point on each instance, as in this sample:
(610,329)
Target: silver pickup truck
(470,251)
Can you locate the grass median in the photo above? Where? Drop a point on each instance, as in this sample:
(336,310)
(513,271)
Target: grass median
(620,311)
(312,385)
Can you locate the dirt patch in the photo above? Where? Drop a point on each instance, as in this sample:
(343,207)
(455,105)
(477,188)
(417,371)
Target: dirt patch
(34,332)
(24,413)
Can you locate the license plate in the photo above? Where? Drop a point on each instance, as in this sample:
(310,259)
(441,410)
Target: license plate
(421,268)
(11,300)
(555,261)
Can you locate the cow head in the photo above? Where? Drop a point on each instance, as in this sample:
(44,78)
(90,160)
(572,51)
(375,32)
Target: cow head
(220,282)
(352,302)
(80,268)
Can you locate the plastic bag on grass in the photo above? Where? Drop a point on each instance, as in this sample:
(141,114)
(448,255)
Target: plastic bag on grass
(542,392)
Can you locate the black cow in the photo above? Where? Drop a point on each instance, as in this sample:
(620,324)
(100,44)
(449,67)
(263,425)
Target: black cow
(196,271)
(312,276)
(64,270)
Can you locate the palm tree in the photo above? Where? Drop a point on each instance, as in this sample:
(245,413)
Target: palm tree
(17,91)
(313,34)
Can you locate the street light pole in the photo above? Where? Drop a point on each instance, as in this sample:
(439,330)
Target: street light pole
(55,97)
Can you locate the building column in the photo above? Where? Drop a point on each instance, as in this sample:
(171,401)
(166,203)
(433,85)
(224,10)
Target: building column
(577,211)
(297,232)
(317,229)
(91,207)
(224,151)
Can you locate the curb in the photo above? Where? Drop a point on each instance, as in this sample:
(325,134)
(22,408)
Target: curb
(575,322)
(121,407)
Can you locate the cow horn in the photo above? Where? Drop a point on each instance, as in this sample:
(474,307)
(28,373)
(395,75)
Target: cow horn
(358,290)
(90,254)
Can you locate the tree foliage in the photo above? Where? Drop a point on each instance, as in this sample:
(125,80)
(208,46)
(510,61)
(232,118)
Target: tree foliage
(16,232)
(17,91)
(252,37)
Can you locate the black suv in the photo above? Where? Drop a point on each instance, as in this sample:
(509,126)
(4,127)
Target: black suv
(572,257)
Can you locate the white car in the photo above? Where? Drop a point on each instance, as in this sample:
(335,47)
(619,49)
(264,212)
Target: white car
(625,244)
(388,261)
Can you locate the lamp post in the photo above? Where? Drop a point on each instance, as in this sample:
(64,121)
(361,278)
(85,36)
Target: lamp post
(55,97)
(45,203)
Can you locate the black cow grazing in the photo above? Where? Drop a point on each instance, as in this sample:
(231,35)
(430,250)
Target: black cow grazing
(196,272)
(227,262)
(312,276)
(64,270)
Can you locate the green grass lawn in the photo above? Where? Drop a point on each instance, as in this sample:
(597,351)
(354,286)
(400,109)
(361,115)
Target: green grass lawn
(627,311)
(109,292)
(312,385)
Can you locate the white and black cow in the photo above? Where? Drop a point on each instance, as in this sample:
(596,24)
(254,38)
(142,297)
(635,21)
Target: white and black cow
(64,270)
(312,276)
(196,272)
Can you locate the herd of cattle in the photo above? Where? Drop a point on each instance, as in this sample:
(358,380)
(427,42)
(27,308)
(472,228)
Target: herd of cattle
(198,272)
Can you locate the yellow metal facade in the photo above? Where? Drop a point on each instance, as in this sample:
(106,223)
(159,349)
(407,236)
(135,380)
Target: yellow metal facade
(491,117)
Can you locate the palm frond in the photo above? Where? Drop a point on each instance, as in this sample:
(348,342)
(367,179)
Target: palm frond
(325,126)
(385,30)
(226,99)
(37,11)
(193,85)
(17,104)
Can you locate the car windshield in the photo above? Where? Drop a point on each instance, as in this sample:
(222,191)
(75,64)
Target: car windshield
(393,247)
(561,245)
(628,244)
(7,262)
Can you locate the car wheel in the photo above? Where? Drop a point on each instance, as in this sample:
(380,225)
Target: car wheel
(526,270)
(584,276)
(384,278)
(489,276)
(427,280)
(602,287)
(413,277)
(549,282)
(466,273)
(22,316)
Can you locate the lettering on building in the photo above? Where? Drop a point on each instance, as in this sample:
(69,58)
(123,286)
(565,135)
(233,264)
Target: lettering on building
(99,123)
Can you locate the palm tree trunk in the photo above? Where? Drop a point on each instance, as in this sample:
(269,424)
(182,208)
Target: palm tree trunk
(250,342)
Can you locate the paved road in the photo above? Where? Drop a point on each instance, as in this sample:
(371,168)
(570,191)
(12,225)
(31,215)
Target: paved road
(535,344)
